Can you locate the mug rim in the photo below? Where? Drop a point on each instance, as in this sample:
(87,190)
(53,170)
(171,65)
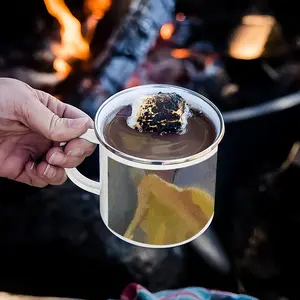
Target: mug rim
(146,161)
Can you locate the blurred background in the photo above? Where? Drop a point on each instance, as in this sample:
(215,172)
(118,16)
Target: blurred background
(242,55)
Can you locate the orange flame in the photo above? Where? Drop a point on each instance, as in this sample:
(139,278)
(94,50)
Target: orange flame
(97,10)
(167,31)
(62,68)
(73,44)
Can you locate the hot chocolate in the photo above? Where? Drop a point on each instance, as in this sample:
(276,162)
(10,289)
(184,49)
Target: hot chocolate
(199,134)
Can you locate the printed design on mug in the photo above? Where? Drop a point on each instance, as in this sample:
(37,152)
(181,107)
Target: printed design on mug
(168,214)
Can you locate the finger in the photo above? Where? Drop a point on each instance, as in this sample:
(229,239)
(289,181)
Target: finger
(72,155)
(29,176)
(60,108)
(57,157)
(52,174)
(44,116)
(78,147)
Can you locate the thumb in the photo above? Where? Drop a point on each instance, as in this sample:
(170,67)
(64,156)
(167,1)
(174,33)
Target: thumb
(52,126)
(63,129)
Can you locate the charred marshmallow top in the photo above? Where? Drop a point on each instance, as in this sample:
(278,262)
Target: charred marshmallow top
(162,113)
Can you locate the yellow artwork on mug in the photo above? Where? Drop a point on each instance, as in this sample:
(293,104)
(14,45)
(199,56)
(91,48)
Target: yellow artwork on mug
(168,214)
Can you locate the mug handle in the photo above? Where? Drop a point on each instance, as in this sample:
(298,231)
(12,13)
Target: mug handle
(76,177)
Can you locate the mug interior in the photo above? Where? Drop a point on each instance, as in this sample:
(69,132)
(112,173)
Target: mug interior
(126,97)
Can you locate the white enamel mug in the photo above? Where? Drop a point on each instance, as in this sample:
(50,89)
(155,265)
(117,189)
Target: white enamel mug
(135,192)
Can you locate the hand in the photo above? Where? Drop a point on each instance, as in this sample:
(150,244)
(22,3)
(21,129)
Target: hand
(32,123)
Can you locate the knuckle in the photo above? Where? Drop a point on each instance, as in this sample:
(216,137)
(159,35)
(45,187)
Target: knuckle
(53,130)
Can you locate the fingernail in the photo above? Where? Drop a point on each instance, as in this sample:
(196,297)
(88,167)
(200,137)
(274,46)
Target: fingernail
(49,172)
(78,123)
(32,166)
(56,158)
(75,152)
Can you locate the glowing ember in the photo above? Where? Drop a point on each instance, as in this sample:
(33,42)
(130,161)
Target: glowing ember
(180,17)
(180,53)
(167,31)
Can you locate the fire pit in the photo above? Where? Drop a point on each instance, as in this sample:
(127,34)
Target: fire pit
(87,51)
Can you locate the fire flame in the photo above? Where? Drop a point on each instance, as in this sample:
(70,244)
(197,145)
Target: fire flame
(96,10)
(73,45)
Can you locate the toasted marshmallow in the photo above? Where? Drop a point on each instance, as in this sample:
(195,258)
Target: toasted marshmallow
(162,113)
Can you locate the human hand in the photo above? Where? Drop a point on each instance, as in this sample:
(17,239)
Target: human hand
(32,123)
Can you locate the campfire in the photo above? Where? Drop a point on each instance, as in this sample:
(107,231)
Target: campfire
(61,39)
(75,38)
(153,43)
(84,51)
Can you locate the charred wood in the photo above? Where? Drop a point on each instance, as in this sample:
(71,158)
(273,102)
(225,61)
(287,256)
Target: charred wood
(126,49)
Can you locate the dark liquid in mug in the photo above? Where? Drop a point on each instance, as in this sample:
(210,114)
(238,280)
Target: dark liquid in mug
(200,133)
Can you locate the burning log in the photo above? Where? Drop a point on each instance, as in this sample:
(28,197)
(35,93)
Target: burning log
(126,49)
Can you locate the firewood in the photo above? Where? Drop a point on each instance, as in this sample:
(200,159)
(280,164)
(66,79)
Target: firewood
(127,48)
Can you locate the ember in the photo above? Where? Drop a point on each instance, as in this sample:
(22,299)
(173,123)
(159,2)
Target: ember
(180,17)
(199,64)
(167,31)
(180,53)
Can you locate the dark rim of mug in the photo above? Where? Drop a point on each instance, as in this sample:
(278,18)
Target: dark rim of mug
(146,161)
